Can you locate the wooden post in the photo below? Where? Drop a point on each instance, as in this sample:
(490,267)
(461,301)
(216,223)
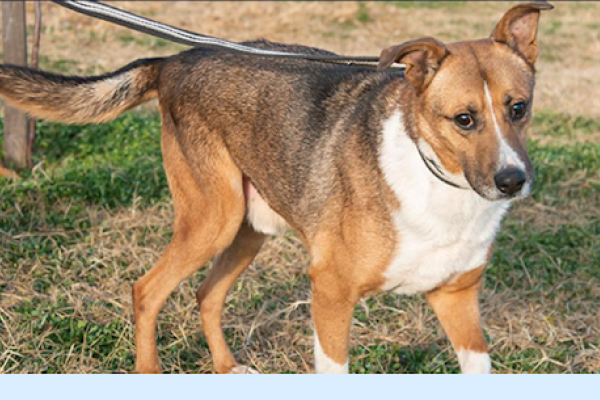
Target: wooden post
(35,54)
(14,42)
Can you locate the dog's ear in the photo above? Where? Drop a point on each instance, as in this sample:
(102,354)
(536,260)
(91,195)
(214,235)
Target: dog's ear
(518,29)
(422,58)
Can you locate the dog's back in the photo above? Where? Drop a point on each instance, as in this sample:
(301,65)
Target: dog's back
(95,99)
(274,115)
(278,117)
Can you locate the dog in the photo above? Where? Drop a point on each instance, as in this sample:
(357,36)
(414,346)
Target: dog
(393,181)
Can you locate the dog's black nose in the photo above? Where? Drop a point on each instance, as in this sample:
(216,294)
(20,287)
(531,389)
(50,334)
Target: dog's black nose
(510,180)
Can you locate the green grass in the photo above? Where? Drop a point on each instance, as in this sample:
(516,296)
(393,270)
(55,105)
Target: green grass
(110,165)
(153,43)
(60,66)
(104,164)
(570,248)
(362,15)
(550,259)
(446,5)
(563,125)
(552,27)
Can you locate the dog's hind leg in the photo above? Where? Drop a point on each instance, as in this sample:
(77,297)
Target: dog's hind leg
(227,267)
(208,214)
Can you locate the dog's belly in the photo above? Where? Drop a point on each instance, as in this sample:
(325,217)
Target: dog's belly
(258,213)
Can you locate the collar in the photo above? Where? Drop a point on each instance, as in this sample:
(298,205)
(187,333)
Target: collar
(436,171)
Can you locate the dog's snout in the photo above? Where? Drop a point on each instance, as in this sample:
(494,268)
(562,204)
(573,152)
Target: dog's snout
(510,180)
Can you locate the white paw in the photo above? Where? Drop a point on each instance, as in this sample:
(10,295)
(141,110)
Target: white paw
(324,364)
(472,362)
(240,369)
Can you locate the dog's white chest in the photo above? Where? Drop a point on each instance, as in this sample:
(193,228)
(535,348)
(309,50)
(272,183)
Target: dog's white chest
(439,237)
(442,231)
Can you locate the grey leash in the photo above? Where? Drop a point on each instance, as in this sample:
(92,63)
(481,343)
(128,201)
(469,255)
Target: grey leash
(171,33)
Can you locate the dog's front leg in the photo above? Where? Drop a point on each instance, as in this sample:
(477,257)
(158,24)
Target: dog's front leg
(332,308)
(457,307)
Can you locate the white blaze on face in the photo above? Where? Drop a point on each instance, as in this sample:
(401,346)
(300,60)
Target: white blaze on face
(508,156)
(472,362)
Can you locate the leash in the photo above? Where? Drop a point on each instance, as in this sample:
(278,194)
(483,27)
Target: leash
(178,35)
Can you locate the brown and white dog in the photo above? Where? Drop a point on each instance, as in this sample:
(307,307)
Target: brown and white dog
(394,182)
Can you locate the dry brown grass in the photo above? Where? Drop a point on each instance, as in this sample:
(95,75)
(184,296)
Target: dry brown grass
(267,315)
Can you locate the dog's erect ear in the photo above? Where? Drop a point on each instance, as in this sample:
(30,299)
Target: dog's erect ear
(518,29)
(422,58)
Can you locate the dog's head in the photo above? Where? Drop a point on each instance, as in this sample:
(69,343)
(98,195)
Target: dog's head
(473,102)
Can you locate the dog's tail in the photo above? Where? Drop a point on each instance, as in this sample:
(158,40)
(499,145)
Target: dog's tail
(80,100)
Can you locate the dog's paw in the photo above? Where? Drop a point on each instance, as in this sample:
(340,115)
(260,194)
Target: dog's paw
(240,369)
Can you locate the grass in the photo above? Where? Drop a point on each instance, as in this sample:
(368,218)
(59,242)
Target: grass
(95,213)
(362,15)
(150,42)
(431,4)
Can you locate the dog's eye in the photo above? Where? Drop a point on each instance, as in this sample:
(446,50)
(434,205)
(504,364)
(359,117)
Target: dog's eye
(518,110)
(464,121)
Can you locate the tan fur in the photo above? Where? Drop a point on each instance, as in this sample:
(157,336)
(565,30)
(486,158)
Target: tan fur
(75,100)
(456,306)
(199,233)
(211,295)
(7,173)
(311,149)
(347,264)
(460,70)
(515,29)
